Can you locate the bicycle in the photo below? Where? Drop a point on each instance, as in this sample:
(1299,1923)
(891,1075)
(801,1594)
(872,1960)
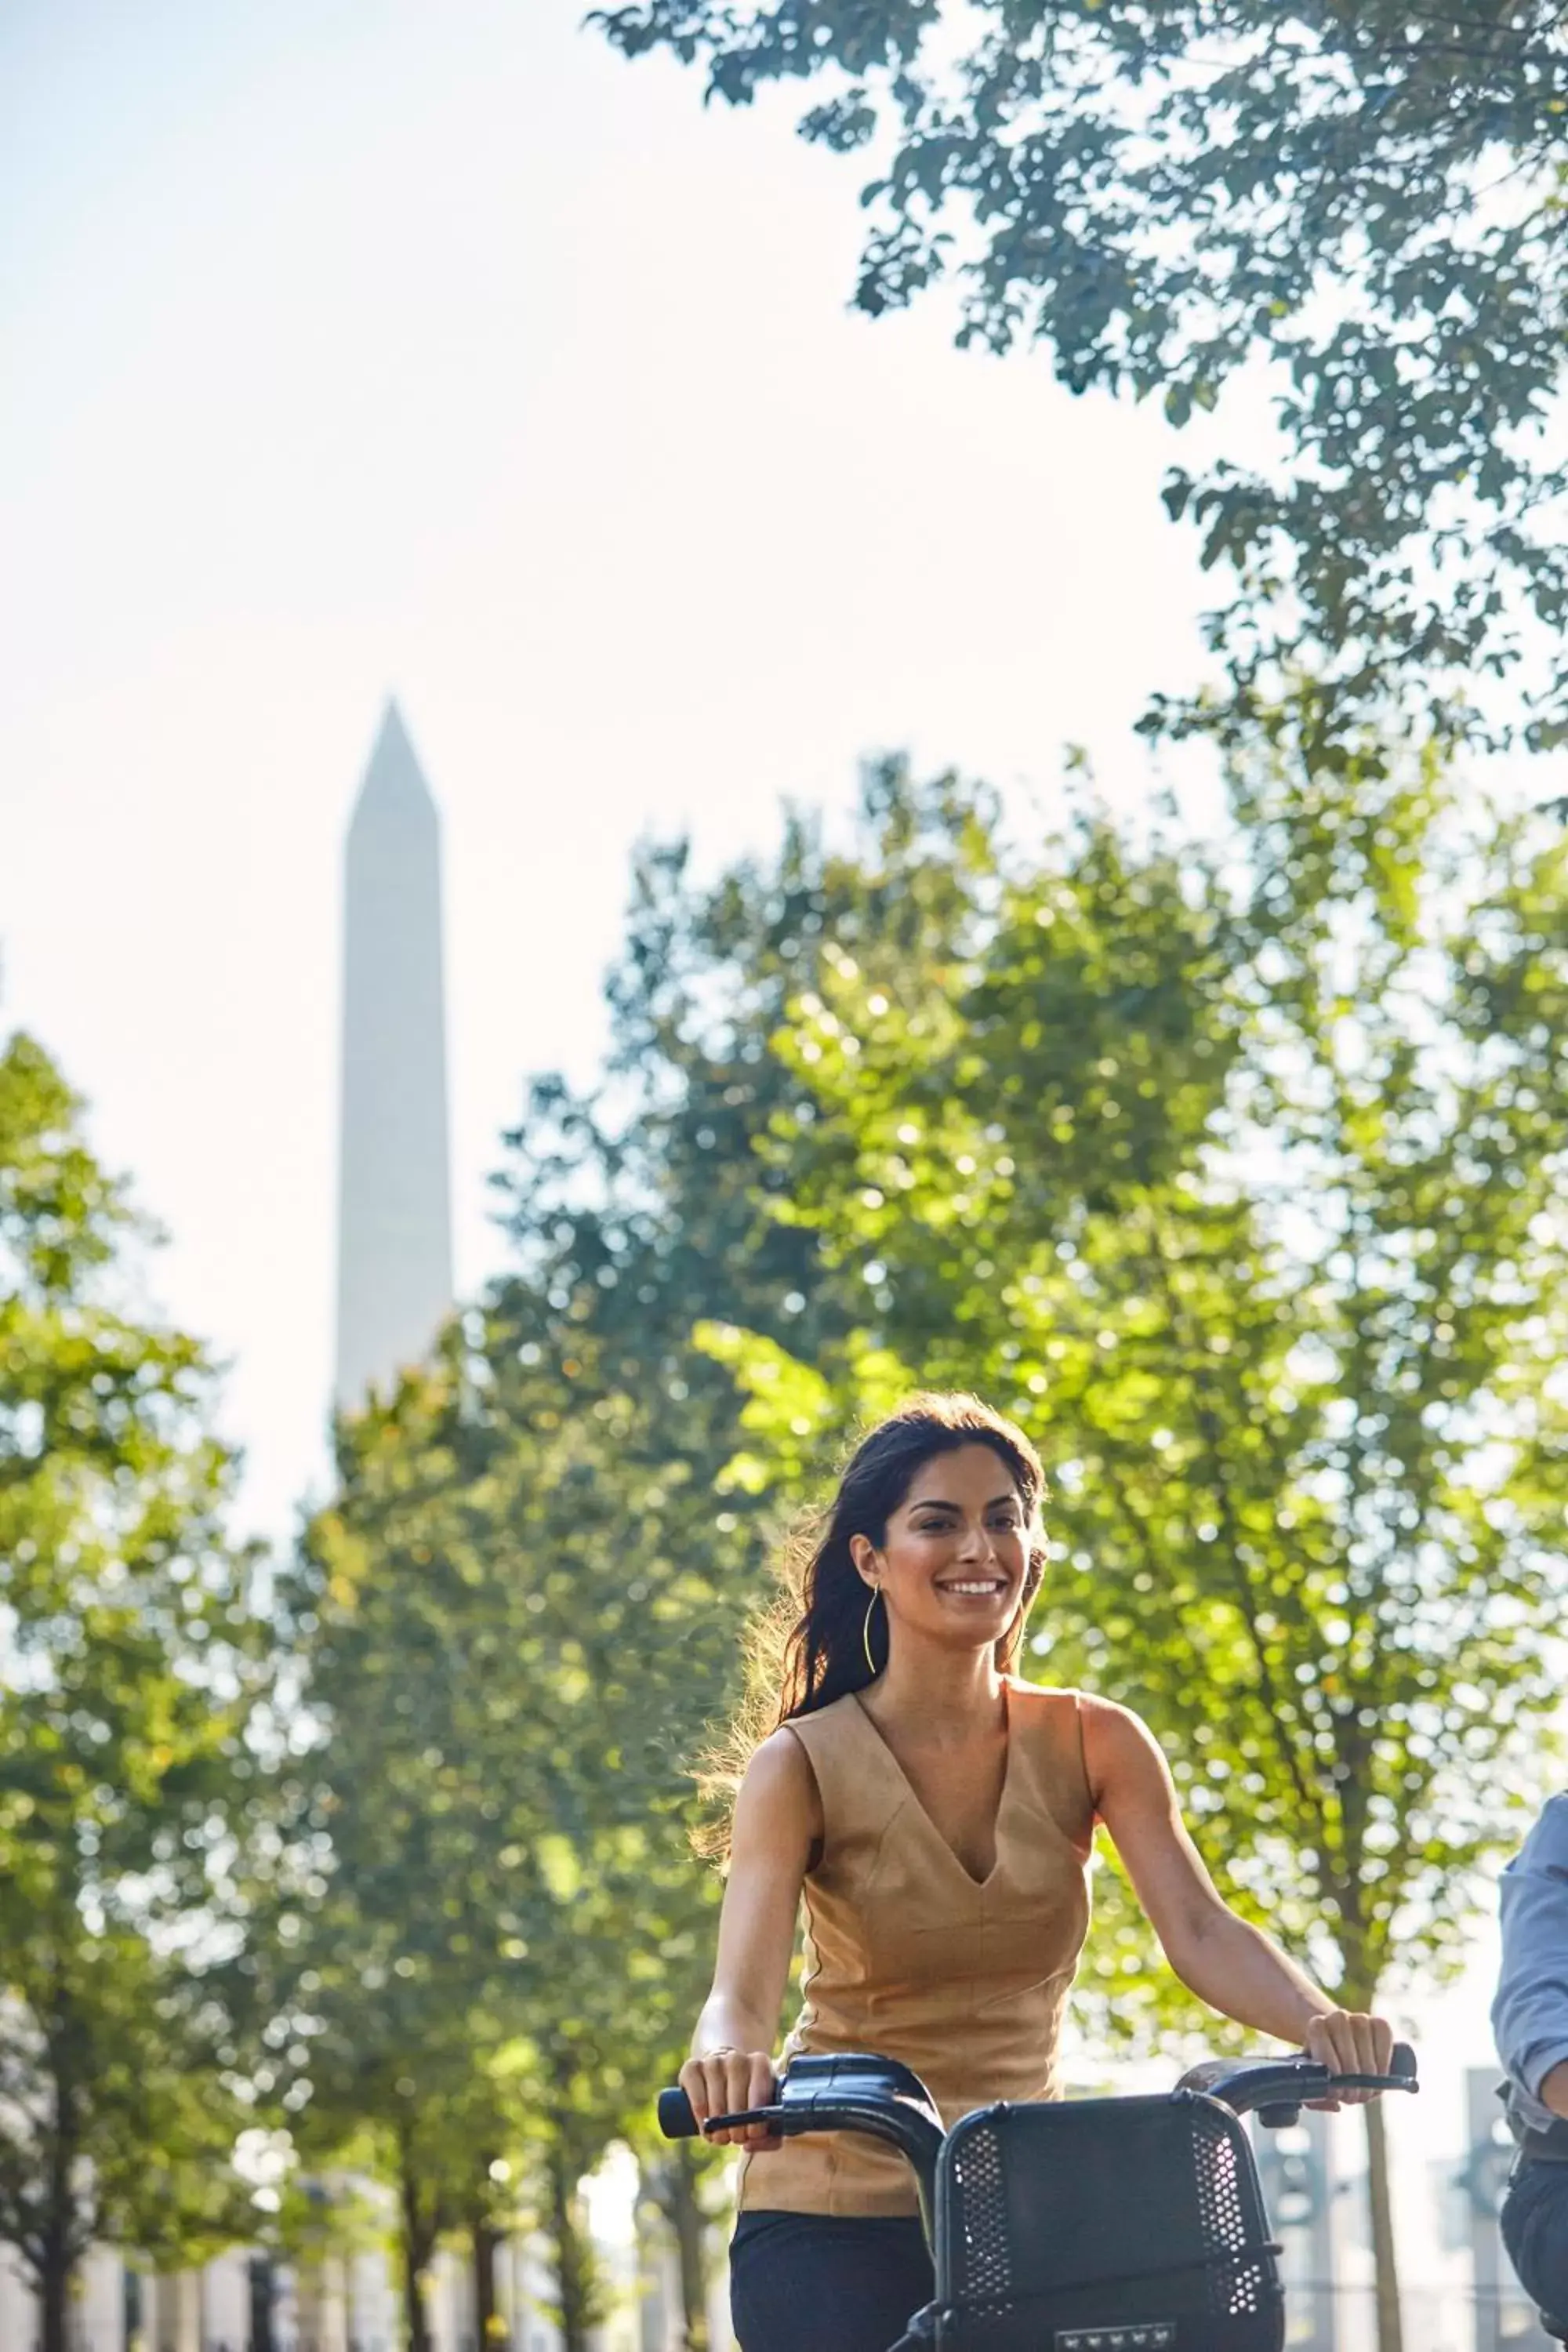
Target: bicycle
(1078,2225)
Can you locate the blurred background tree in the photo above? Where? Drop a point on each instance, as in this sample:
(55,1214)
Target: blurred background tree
(484,1903)
(130,1671)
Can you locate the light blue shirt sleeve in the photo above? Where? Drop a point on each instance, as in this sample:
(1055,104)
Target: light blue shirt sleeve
(1529,2015)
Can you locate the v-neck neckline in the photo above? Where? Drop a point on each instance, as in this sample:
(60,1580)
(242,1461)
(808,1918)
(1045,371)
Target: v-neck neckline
(979,1886)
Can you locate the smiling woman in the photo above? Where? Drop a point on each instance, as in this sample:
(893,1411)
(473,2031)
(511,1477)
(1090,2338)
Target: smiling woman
(937,1814)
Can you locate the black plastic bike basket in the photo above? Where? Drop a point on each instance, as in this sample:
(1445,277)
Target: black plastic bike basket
(1086,2224)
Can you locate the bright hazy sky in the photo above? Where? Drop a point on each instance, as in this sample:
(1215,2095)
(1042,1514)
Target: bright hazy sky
(356,349)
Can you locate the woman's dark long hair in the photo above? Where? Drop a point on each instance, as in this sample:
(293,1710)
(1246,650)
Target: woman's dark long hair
(809,1648)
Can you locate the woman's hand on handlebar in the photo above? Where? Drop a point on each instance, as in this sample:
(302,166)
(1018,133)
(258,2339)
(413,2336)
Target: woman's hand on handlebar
(726,2082)
(1348,2042)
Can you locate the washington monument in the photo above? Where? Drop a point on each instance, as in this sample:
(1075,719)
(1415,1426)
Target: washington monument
(395,1242)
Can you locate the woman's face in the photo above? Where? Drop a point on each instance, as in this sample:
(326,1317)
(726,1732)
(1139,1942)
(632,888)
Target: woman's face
(952,1562)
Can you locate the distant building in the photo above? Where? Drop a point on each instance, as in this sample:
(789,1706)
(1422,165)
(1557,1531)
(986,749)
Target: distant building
(395,1238)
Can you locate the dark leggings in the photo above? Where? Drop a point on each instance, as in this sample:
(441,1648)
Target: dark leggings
(801,2283)
(1535,2232)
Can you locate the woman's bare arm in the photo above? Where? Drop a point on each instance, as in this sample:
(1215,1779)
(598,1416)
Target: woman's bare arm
(1226,1962)
(778,1819)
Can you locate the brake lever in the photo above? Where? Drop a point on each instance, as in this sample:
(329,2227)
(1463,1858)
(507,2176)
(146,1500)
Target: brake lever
(1284,2115)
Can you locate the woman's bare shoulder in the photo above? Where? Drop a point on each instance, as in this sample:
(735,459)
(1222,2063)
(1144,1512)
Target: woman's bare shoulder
(779,1792)
(778,1759)
(1107,1719)
(1120,1753)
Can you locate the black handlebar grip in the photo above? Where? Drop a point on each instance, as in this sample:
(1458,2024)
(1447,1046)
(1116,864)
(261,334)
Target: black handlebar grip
(676,2120)
(1403,2061)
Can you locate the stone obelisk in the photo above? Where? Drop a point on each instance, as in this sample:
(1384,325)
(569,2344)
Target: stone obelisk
(395,1241)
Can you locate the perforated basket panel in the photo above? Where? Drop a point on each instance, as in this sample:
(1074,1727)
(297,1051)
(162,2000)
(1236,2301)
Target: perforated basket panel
(1105,2212)
(1230,2208)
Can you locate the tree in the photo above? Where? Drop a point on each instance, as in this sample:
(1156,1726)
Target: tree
(675,2183)
(1238,1177)
(382,1926)
(130,1671)
(482,1901)
(1368,200)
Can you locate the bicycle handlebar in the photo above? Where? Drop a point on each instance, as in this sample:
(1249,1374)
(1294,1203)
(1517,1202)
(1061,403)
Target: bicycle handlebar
(1276,2088)
(850,2091)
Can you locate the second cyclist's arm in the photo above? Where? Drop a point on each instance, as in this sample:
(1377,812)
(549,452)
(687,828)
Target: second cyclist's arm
(1530,2015)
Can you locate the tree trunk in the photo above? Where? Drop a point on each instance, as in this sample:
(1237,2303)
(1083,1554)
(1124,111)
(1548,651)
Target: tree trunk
(415,2327)
(263,2280)
(1390,2328)
(484,2239)
(691,2225)
(54,2298)
(58,2251)
(574,2256)
(418,2245)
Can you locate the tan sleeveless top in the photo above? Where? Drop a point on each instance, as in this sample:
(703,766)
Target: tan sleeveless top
(909,1956)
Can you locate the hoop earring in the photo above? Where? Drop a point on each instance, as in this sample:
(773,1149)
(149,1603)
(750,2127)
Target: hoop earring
(866,1631)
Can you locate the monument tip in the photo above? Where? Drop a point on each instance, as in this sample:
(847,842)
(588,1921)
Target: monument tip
(394,777)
